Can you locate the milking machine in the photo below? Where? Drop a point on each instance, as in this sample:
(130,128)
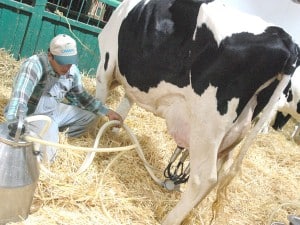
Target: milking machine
(19,171)
(178,170)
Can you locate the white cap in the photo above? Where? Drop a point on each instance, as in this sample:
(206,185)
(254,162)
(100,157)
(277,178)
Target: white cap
(64,50)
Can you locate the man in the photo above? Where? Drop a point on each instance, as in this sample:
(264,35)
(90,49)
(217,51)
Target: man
(41,87)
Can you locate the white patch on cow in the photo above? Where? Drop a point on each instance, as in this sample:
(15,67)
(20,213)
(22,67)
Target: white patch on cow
(105,77)
(225,21)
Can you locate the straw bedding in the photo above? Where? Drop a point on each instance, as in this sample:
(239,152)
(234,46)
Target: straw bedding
(117,189)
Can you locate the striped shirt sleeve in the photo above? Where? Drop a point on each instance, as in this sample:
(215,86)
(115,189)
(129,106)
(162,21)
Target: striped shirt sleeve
(80,97)
(27,78)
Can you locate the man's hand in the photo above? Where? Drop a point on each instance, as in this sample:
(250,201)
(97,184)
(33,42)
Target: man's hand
(13,127)
(112,115)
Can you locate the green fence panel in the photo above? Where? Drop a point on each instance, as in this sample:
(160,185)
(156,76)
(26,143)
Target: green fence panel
(28,29)
(12,28)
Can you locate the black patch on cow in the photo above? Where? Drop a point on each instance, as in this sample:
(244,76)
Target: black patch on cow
(106,60)
(280,121)
(290,96)
(155,44)
(239,66)
(298,107)
(263,97)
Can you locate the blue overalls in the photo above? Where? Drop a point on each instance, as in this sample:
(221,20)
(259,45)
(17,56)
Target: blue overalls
(64,116)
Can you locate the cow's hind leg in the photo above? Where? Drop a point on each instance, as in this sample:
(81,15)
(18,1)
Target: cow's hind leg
(203,177)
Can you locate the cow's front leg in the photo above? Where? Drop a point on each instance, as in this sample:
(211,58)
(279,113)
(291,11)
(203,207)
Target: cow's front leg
(203,177)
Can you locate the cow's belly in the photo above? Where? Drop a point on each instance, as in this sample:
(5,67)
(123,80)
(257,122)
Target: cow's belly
(186,112)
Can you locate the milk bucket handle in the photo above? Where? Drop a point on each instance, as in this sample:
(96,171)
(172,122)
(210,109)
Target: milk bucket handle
(19,128)
(47,119)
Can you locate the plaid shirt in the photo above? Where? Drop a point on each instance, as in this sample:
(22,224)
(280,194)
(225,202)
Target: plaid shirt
(30,83)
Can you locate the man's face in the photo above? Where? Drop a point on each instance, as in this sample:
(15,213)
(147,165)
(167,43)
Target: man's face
(59,69)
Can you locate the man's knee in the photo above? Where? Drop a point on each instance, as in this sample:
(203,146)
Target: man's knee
(82,125)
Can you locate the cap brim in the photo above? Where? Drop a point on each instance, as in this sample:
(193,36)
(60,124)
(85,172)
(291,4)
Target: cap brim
(64,60)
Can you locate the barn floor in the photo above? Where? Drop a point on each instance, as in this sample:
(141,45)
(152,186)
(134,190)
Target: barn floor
(120,191)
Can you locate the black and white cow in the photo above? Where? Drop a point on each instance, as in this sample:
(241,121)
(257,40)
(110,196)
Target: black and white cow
(203,68)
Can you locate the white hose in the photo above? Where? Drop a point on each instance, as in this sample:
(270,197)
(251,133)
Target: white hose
(296,131)
(91,151)
(76,148)
(47,119)
(140,153)
(90,156)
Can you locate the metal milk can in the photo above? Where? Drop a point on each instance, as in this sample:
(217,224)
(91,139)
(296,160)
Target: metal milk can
(19,173)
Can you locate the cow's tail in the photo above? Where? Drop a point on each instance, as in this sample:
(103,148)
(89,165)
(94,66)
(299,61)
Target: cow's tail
(235,168)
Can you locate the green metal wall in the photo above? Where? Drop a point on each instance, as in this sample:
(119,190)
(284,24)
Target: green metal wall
(26,30)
